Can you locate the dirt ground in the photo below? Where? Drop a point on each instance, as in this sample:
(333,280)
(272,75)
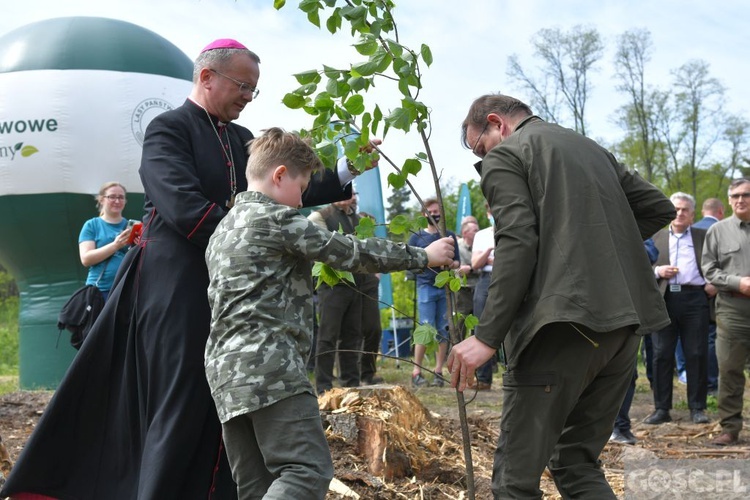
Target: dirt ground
(445,478)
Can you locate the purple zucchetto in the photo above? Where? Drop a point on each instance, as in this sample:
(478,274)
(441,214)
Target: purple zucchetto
(223,43)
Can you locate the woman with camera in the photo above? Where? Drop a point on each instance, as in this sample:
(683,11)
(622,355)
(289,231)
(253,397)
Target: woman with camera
(104,240)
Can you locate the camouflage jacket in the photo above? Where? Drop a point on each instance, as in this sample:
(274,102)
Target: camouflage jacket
(260,291)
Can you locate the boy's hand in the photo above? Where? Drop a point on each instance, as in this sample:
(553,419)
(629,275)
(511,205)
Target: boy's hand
(440,252)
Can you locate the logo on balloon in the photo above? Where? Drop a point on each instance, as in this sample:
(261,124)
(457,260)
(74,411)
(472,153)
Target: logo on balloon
(11,151)
(143,114)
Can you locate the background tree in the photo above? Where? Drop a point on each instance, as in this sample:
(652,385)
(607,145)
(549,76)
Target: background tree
(637,117)
(698,102)
(567,59)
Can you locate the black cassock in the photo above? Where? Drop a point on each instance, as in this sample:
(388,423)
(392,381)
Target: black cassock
(133,416)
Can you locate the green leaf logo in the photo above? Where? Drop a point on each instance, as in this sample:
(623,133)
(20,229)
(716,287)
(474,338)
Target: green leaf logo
(28,151)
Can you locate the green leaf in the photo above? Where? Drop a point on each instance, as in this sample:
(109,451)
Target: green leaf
(365,228)
(356,83)
(306,89)
(377,117)
(422,156)
(331,72)
(382,59)
(367,46)
(399,224)
(411,166)
(471,321)
(355,105)
(454,284)
(396,180)
(28,151)
(314,18)
(402,68)
(328,154)
(278,4)
(293,101)
(395,48)
(18,146)
(308,6)
(311,76)
(442,278)
(333,24)
(399,119)
(426,54)
(367,68)
(323,101)
(424,334)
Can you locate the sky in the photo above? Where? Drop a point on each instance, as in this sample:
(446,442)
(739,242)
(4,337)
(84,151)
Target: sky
(471,42)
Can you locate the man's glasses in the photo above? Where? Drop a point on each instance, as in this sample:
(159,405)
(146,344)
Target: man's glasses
(113,197)
(245,88)
(737,196)
(476,143)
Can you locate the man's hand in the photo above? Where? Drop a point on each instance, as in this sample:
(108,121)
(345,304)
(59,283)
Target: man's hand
(465,358)
(710,290)
(440,252)
(745,285)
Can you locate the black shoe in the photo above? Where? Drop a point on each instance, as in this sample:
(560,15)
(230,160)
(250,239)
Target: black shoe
(658,417)
(622,437)
(438,381)
(699,417)
(374,380)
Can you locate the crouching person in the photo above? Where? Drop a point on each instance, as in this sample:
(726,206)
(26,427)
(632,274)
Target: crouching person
(260,291)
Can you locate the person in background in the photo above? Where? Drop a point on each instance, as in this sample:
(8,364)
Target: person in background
(713,212)
(726,265)
(259,263)
(465,296)
(369,286)
(339,308)
(622,433)
(432,302)
(482,259)
(103,241)
(571,288)
(144,424)
(680,278)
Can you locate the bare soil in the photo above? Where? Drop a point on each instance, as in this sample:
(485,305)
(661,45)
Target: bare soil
(446,479)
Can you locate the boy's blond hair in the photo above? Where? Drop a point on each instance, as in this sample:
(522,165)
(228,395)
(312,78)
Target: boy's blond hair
(278,147)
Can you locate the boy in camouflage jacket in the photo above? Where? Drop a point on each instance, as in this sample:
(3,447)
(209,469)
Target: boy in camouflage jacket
(260,269)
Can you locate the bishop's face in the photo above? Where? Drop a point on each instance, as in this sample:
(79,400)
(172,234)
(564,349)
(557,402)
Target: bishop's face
(232,87)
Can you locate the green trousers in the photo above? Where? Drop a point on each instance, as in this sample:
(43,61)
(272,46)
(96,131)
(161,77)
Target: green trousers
(559,406)
(280,452)
(732,354)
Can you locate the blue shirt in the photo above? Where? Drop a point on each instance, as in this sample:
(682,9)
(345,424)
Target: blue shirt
(422,239)
(103,233)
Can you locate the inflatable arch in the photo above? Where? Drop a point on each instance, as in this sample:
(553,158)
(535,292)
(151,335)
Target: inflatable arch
(76,95)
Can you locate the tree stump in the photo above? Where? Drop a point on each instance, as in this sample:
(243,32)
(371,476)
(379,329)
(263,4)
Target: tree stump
(394,432)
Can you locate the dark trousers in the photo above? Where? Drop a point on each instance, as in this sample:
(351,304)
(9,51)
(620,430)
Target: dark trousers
(340,328)
(713,365)
(622,421)
(371,331)
(688,311)
(559,405)
(484,372)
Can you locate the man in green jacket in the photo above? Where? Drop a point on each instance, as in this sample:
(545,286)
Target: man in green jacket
(571,288)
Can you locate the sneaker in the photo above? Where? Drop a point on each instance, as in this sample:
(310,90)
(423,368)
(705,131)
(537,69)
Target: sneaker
(418,380)
(622,437)
(438,381)
(682,378)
